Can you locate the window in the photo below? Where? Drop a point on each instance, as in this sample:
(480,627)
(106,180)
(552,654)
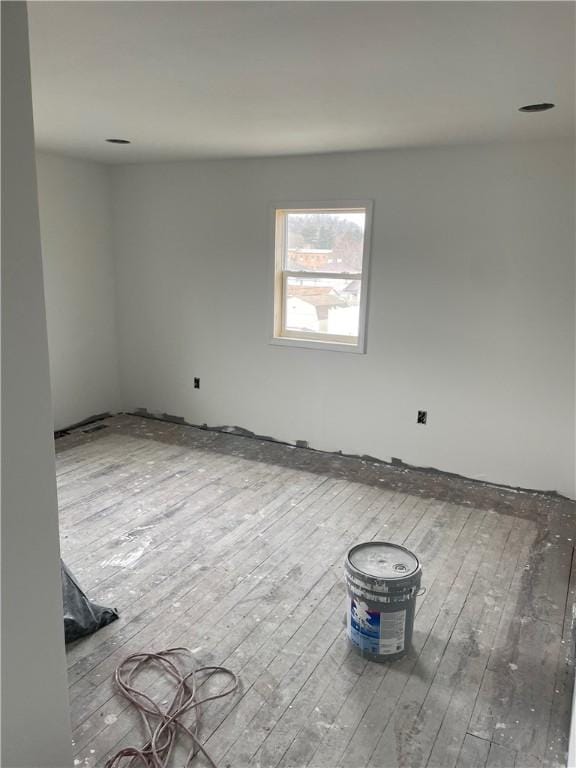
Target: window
(321,276)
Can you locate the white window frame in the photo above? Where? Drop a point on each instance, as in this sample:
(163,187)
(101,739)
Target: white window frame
(305,339)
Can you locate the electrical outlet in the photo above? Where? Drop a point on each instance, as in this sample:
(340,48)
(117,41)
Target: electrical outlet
(422,417)
(196,382)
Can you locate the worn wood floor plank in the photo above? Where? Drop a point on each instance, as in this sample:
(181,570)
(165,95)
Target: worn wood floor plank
(229,592)
(411,731)
(517,695)
(500,757)
(327,748)
(233,589)
(234,547)
(474,753)
(320,548)
(473,641)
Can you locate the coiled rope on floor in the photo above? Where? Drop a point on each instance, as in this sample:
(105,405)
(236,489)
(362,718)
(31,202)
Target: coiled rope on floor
(163,725)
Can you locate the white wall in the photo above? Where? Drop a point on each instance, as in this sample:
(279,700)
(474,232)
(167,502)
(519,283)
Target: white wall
(35,719)
(75,221)
(471,310)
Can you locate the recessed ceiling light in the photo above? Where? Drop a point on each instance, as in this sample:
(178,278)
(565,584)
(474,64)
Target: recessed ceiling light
(537,107)
(118,141)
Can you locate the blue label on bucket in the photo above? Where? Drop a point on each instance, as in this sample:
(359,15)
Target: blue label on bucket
(375,632)
(364,627)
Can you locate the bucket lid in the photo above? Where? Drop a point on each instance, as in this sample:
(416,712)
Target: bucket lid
(383,560)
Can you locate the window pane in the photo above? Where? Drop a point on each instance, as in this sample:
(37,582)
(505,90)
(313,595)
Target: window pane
(323,305)
(330,241)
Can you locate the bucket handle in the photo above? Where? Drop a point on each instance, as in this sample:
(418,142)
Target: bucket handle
(421,591)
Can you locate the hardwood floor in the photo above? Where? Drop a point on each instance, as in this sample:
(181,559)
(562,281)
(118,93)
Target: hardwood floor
(234,547)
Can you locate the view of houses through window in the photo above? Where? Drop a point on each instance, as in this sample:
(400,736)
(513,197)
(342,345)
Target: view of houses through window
(319,273)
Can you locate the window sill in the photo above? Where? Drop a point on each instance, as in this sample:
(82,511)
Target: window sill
(324,346)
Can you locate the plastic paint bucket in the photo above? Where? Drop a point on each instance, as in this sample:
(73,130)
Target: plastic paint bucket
(383,580)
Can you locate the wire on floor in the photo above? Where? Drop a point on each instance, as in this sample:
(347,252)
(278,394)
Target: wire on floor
(163,725)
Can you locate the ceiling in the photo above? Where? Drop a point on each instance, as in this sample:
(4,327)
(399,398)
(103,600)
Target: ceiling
(236,79)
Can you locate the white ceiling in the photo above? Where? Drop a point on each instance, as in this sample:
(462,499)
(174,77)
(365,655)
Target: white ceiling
(233,79)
